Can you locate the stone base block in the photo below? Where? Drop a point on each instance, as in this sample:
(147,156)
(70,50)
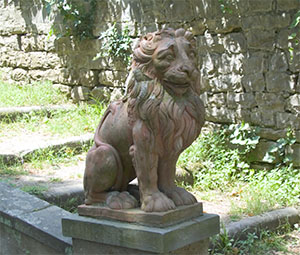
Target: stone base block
(83,247)
(101,236)
(136,215)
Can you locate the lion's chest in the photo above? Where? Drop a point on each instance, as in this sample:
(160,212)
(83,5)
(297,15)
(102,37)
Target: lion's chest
(177,127)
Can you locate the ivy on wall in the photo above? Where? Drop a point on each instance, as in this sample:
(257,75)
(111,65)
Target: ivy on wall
(77,17)
(294,37)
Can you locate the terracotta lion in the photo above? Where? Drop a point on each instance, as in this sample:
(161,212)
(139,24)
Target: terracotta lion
(143,134)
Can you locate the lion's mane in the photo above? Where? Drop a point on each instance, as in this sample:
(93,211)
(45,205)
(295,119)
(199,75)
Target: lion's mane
(178,122)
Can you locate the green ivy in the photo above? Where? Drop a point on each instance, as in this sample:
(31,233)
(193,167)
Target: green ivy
(281,149)
(225,6)
(116,44)
(78,17)
(294,37)
(244,136)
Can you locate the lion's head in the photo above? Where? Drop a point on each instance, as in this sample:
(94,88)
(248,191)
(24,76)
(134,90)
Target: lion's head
(169,56)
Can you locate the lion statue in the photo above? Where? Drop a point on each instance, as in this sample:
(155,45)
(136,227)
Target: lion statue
(143,134)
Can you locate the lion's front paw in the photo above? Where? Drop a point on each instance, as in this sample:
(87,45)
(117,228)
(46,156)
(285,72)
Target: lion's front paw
(121,200)
(157,202)
(180,196)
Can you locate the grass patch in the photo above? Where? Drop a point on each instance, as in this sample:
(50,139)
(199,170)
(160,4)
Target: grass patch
(80,120)
(70,205)
(41,93)
(34,190)
(217,166)
(65,156)
(11,170)
(261,243)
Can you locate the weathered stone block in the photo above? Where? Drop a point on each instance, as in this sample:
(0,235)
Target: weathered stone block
(266,21)
(139,239)
(295,62)
(285,5)
(282,38)
(19,74)
(218,99)
(33,42)
(137,216)
(255,63)
(286,120)
(39,75)
(80,93)
(69,76)
(211,43)
(112,78)
(210,63)
(9,43)
(279,62)
(230,63)
(20,59)
(197,26)
(270,102)
(254,82)
(243,115)
(259,5)
(53,60)
(101,94)
(220,115)
(38,60)
(279,81)
(261,39)
(64,45)
(152,11)
(271,134)
(255,117)
(293,104)
(63,88)
(12,21)
(267,119)
(245,100)
(295,151)
(178,10)
(88,78)
(258,154)
(224,83)
(235,43)
(224,24)
(31,225)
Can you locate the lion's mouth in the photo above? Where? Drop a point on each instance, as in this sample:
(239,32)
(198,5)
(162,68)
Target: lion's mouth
(177,88)
(176,85)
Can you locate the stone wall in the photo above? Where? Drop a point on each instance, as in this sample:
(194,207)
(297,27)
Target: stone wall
(247,71)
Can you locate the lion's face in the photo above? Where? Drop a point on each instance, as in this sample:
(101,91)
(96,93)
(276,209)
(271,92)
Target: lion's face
(173,60)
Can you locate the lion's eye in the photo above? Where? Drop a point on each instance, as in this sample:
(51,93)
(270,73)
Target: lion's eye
(169,57)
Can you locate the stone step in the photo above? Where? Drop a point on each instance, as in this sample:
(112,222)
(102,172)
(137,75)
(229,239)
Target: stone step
(12,112)
(18,149)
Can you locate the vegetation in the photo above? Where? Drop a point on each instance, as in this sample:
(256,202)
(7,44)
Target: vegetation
(82,119)
(294,36)
(77,17)
(265,242)
(218,165)
(116,44)
(42,93)
(281,149)
(35,190)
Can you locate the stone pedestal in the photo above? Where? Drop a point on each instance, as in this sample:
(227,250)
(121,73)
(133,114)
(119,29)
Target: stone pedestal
(152,233)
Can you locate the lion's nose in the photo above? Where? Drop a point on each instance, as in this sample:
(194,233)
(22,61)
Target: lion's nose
(186,68)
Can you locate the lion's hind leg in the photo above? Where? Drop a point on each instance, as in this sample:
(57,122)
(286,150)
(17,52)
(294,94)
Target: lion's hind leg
(103,178)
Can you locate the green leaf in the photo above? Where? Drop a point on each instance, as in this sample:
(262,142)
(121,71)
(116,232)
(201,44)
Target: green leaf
(268,158)
(296,20)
